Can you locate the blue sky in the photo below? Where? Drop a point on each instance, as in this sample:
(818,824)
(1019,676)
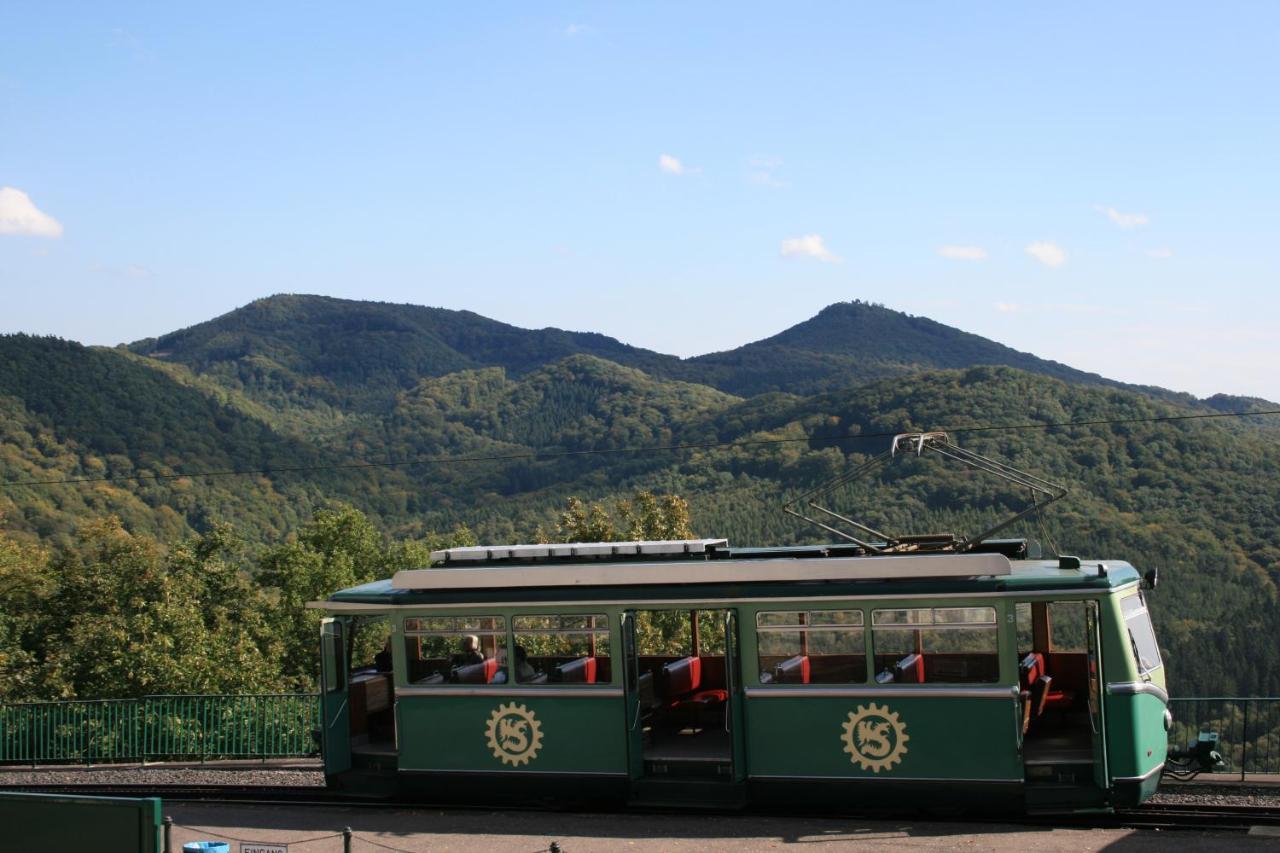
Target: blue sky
(1094,183)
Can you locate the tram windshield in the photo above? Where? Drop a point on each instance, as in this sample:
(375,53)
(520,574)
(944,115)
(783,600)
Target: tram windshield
(1142,638)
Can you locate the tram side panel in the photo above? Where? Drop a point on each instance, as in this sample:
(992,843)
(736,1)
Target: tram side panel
(896,743)
(480,734)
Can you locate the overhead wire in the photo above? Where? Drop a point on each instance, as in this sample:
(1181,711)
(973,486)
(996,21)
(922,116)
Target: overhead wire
(600,451)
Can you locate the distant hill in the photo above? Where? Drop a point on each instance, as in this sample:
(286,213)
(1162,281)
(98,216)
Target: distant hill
(358,355)
(849,343)
(361,354)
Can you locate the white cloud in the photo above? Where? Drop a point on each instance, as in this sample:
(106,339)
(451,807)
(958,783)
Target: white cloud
(1161,254)
(576,30)
(1124,220)
(1010,308)
(963,253)
(809,246)
(1049,254)
(766,179)
(672,165)
(762,172)
(18,215)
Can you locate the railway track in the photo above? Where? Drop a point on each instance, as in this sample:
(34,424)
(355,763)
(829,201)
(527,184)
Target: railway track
(1207,818)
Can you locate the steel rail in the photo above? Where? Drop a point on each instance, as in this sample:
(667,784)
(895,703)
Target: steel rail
(1206,818)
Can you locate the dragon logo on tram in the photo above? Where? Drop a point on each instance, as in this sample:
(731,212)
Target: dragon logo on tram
(875,738)
(514,734)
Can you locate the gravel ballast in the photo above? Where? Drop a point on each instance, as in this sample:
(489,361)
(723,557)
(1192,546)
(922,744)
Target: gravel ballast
(265,776)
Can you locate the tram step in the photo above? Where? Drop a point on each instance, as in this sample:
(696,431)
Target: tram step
(378,763)
(1060,773)
(1053,797)
(687,793)
(714,770)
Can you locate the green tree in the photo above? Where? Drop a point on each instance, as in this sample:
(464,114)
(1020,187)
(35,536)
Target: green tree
(643,516)
(339,548)
(129,618)
(24,586)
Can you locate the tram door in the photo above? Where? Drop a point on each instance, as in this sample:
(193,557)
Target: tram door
(734,711)
(631,676)
(1060,667)
(1101,774)
(683,695)
(335,735)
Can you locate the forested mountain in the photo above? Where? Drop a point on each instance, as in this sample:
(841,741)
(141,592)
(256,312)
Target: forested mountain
(852,342)
(426,420)
(300,349)
(319,351)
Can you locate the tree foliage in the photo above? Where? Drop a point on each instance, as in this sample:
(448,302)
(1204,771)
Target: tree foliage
(645,516)
(352,406)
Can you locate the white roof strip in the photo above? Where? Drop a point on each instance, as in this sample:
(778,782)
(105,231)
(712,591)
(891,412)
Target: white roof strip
(605,574)
(487,553)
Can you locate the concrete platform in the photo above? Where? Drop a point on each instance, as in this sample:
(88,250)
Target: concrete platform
(529,831)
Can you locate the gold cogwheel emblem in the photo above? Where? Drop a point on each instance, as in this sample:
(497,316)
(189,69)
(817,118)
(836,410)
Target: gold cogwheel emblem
(874,737)
(515,735)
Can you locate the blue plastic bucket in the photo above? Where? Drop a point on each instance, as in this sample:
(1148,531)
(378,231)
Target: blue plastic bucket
(206,847)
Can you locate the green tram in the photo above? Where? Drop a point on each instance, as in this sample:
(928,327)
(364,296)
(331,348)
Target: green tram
(690,673)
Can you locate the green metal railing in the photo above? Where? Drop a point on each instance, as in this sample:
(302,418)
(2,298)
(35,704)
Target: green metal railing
(282,725)
(160,728)
(1248,729)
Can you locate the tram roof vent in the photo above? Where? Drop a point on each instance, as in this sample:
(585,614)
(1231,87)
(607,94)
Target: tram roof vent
(578,550)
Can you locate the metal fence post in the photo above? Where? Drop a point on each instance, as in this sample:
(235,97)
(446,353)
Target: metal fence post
(1244,741)
(346,840)
(168,834)
(31,735)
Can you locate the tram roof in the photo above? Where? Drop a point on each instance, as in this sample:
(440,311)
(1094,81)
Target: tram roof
(722,574)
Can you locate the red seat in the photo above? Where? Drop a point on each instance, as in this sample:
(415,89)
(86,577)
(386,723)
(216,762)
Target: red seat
(909,670)
(476,673)
(1040,684)
(580,671)
(705,699)
(1029,672)
(682,679)
(794,670)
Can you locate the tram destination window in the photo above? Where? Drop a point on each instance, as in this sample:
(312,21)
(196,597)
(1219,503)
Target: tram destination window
(811,647)
(938,645)
(562,649)
(1142,639)
(455,649)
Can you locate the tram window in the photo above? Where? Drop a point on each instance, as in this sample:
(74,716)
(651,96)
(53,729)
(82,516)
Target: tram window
(455,649)
(333,652)
(949,645)
(1069,621)
(562,649)
(811,647)
(664,633)
(1026,635)
(1142,639)
(670,633)
(1065,630)
(710,632)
